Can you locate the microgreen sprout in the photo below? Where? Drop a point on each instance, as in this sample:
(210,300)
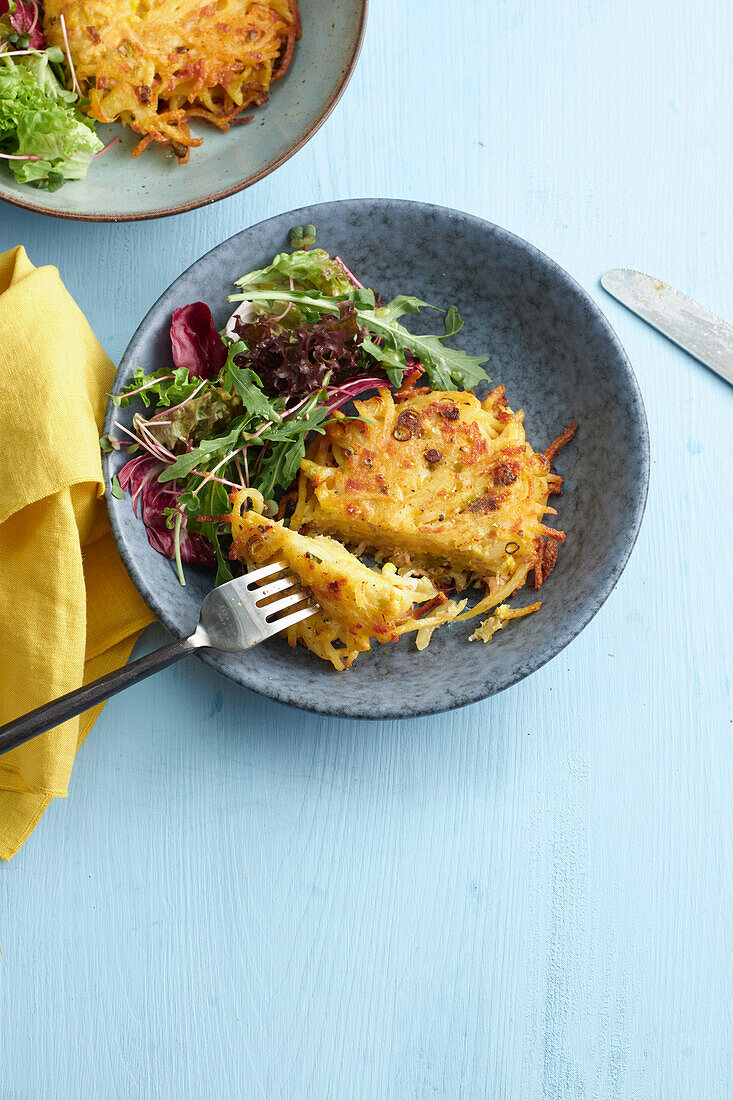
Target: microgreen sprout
(303,236)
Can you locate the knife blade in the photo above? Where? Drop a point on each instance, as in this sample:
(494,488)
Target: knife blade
(695,329)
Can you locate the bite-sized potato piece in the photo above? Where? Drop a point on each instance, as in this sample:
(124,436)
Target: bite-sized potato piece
(356,603)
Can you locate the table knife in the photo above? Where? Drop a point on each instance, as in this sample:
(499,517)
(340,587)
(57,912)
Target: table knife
(697,330)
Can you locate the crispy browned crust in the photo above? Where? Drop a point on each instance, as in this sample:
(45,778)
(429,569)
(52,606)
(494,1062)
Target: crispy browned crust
(548,548)
(557,444)
(426,608)
(408,388)
(497,396)
(546,560)
(551,533)
(549,559)
(294,33)
(537,572)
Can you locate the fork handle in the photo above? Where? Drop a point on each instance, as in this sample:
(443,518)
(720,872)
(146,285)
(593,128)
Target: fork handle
(68,706)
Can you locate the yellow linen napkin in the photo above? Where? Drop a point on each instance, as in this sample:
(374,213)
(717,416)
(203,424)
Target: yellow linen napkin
(69,610)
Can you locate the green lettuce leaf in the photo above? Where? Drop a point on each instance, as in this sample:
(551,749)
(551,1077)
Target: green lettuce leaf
(310,270)
(38,119)
(197,420)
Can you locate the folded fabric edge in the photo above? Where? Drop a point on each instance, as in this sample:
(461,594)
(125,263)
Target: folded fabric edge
(9,849)
(85,477)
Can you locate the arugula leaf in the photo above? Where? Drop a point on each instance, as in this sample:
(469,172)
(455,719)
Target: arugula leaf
(249,386)
(223,568)
(207,450)
(402,304)
(392,361)
(280,466)
(307,421)
(363,298)
(444,366)
(282,461)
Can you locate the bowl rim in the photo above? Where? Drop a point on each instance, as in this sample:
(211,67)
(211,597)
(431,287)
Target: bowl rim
(561,638)
(226,192)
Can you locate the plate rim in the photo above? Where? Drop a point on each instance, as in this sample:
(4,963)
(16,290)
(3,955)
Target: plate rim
(227,192)
(562,639)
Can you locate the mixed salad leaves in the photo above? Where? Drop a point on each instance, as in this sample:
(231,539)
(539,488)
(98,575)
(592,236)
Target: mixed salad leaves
(235,409)
(45,139)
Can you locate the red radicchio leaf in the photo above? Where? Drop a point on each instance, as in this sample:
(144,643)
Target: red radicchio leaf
(23,19)
(195,342)
(140,476)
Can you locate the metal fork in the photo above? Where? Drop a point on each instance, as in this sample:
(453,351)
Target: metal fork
(234,617)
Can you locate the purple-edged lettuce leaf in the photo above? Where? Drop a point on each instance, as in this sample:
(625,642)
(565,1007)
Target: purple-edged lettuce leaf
(296,361)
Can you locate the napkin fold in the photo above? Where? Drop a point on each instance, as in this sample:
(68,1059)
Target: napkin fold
(69,611)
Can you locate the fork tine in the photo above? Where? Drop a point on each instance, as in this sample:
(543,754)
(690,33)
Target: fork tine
(276,586)
(290,620)
(265,571)
(287,601)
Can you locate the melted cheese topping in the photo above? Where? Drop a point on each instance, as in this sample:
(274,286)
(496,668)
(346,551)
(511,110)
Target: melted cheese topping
(156,64)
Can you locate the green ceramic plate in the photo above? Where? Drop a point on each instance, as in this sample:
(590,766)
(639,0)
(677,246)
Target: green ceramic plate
(118,188)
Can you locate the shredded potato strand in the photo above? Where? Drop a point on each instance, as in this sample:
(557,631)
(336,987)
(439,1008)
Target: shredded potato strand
(444,489)
(439,483)
(356,603)
(156,64)
(461,497)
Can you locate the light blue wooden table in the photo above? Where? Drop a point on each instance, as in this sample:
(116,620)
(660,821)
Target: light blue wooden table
(528,898)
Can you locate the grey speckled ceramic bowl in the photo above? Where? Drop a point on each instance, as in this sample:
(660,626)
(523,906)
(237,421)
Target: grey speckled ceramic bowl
(154,185)
(560,361)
